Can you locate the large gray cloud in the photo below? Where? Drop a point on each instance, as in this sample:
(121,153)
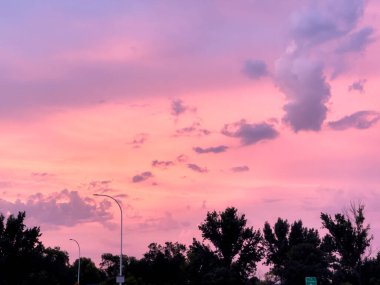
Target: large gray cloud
(65,208)
(307,91)
(299,75)
(358,120)
(215,149)
(250,133)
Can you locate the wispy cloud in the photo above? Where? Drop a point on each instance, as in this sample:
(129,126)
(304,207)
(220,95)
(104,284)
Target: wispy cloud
(250,133)
(359,120)
(216,149)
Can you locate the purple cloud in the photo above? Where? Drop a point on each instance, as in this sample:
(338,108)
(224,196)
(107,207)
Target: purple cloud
(66,208)
(217,149)
(303,82)
(243,168)
(358,86)
(359,120)
(255,68)
(142,177)
(250,133)
(178,107)
(325,21)
(197,168)
(299,75)
(162,164)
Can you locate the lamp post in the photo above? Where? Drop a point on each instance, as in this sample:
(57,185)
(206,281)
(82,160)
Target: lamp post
(78,259)
(120,278)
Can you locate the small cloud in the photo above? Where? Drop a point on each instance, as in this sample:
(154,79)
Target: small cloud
(357,41)
(360,120)
(255,68)
(217,149)
(182,158)
(139,140)
(162,164)
(197,168)
(243,168)
(142,177)
(193,130)
(178,107)
(357,86)
(250,133)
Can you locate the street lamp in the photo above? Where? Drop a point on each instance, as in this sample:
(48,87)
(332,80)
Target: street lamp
(78,259)
(120,278)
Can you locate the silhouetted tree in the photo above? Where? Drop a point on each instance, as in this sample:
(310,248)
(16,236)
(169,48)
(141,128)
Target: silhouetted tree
(294,253)
(347,241)
(89,273)
(20,247)
(236,247)
(371,271)
(202,263)
(165,264)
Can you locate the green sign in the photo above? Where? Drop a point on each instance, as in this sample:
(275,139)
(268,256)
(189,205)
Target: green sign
(311,280)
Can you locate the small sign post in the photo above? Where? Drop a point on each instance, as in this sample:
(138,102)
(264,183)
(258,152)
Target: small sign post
(311,280)
(120,279)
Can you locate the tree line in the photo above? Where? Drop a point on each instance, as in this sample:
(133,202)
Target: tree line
(228,255)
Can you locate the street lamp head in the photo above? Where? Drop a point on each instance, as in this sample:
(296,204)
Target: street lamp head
(96,194)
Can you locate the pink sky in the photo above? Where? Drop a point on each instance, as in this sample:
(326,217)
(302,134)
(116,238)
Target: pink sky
(181,107)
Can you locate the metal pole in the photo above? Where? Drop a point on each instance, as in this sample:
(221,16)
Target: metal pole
(78,259)
(121,233)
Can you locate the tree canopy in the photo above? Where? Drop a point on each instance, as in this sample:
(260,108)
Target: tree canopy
(228,255)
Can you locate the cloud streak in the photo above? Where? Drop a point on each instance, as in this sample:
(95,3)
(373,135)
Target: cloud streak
(216,149)
(360,120)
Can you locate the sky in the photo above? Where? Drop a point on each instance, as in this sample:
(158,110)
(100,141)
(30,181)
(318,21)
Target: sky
(177,108)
